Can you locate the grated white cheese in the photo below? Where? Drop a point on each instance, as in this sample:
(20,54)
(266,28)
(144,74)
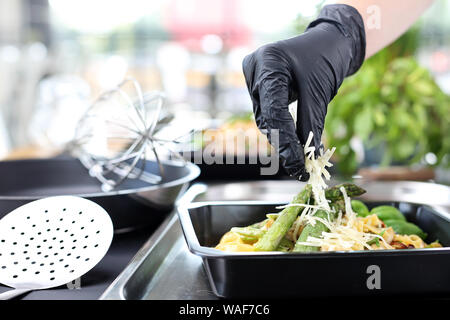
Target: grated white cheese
(299,205)
(350,214)
(316,167)
(343,234)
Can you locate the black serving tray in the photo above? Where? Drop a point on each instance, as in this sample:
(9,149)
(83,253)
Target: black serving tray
(292,275)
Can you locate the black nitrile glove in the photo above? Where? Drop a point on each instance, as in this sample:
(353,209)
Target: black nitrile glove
(310,68)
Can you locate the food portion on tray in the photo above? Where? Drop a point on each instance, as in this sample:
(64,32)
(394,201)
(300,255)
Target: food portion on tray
(326,219)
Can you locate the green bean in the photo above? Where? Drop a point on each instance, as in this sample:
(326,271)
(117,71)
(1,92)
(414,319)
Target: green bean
(360,208)
(388,213)
(403,227)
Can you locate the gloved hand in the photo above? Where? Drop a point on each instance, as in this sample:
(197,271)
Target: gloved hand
(310,68)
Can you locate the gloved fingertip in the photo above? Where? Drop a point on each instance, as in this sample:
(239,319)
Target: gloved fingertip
(304,176)
(320,150)
(298,174)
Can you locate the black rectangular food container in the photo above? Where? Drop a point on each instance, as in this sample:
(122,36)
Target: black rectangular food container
(292,275)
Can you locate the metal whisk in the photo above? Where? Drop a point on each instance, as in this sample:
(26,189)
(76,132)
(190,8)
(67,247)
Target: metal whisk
(116,135)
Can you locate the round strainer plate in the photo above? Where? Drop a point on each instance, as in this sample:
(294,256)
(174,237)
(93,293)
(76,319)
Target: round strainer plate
(52,241)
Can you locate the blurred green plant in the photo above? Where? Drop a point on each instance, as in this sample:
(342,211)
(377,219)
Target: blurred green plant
(301,22)
(391,103)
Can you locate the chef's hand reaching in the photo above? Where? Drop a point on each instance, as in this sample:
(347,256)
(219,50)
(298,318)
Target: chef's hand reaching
(310,68)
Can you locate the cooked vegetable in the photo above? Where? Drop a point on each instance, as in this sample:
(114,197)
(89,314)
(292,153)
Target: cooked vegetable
(316,230)
(272,216)
(376,240)
(388,213)
(360,208)
(312,231)
(348,233)
(232,242)
(259,225)
(249,234)
(338,205)
(320,219)
(434,244)
(352,190)
(403,227)
(285,245)
(271,239)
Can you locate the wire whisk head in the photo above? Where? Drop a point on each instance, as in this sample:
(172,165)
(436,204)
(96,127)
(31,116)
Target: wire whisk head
(116,135)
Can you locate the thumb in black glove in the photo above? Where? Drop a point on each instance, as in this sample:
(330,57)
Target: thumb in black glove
(309,68)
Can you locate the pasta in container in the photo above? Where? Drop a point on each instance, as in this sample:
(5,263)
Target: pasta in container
(326,219)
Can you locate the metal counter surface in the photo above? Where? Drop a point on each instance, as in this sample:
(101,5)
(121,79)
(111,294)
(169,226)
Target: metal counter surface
(164,268)
(149,264)
(95,282)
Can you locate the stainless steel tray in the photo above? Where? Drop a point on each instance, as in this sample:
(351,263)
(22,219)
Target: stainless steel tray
(165,269)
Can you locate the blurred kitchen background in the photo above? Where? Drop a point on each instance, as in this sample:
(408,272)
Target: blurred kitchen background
(56,56)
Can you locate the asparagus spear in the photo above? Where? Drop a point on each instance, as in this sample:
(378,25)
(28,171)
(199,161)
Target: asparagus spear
(285,245)
(317,229)
(248,234)
(311,231)
(271,239)
(338,205)
(273,216)
(259,224)
(352,190)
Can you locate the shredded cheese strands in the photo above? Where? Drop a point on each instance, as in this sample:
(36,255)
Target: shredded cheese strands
(297,225)
(346,232)
(351,215)
(316,167)
(343,234)
(351,220)
(299,205)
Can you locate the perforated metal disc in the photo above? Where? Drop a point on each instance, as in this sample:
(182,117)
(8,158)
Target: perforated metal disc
(52,241)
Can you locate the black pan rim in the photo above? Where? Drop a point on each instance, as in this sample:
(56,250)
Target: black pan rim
(194,172)
(212,253)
